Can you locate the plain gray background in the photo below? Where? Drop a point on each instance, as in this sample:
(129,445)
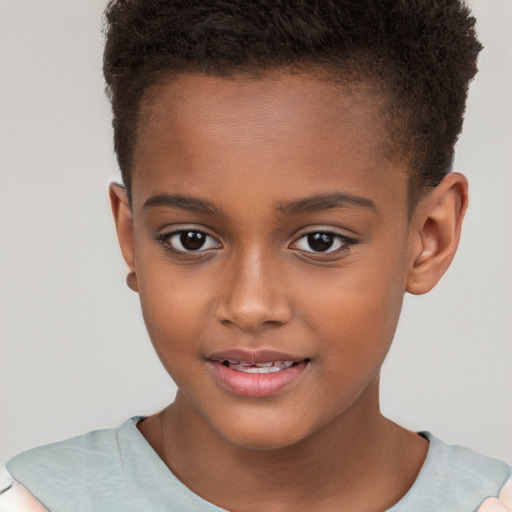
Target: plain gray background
(74,352)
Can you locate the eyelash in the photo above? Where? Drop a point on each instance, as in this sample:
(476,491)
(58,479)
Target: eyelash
(344,241)
(165,240)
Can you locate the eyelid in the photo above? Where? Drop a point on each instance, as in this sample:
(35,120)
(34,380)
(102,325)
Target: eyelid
(165,237)
(347,241)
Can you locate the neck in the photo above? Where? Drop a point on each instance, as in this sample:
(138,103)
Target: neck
(333,468)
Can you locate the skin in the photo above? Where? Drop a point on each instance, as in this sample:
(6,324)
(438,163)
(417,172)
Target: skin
(248,146)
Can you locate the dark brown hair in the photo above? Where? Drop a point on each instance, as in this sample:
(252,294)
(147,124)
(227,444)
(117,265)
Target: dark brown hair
(422,53)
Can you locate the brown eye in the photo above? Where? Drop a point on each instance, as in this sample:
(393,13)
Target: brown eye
(189,240)
(192,240)
(318,242)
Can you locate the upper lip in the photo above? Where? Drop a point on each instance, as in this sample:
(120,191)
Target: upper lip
(253,356)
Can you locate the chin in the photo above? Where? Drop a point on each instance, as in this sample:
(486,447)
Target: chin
(262,435)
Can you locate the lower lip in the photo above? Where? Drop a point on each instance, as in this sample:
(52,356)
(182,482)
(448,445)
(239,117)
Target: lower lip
(256,385)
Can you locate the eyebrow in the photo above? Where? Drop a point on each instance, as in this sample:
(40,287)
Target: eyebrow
(309,204)
(327,201)
(191,204)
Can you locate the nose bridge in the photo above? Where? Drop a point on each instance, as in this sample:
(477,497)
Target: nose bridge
(253,292)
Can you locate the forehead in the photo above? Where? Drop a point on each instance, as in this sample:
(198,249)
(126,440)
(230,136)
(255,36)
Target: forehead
(260,109)
(295,131)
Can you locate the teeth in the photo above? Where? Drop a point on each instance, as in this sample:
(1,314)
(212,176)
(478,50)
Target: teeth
(269,367)
(255,369)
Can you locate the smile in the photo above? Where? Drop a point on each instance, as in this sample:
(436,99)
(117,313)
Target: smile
(256,374)
(268,367)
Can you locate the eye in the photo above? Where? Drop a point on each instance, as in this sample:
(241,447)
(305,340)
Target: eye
(323,242)
(188,240)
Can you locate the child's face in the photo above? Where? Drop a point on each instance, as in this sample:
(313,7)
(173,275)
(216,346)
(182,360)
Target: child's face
(298,243)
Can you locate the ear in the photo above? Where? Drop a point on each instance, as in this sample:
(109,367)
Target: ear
(122,212)
(436,225)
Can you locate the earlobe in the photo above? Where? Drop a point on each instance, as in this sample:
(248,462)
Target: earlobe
(436,227)
(121,209)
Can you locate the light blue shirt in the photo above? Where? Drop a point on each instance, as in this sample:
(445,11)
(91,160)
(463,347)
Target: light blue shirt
(117,470)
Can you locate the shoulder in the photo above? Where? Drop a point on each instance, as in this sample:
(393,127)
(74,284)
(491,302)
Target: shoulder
(465,467)
(63,474)
(75,456)
(455,478)
(114,470)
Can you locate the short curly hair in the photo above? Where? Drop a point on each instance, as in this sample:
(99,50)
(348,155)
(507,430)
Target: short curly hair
(422,54)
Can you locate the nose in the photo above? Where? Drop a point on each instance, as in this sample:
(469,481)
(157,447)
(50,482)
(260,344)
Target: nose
(254,295)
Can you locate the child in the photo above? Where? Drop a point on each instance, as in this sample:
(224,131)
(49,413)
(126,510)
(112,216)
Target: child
(286,181)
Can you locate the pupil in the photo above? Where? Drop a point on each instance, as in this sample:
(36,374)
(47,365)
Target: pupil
(192,240)
(320,242)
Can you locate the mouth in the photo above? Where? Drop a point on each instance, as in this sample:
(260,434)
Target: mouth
(256,374)
(266,367)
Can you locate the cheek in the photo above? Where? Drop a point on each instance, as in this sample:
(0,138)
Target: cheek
(176,304)
(356,314)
